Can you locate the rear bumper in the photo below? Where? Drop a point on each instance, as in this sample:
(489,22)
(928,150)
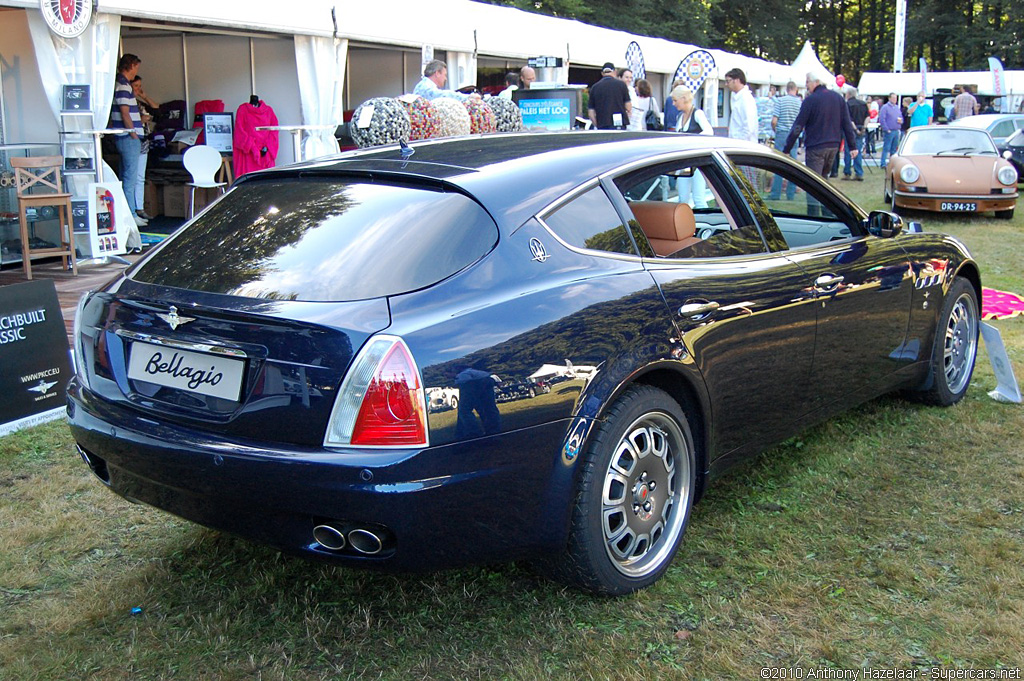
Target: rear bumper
(933,202)
(495,498)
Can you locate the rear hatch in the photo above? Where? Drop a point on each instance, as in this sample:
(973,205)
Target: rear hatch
(245,322)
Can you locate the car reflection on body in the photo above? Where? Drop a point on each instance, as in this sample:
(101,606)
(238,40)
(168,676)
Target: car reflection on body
(371,284)
(950,169)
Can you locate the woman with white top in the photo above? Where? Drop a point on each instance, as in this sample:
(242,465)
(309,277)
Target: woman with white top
(643,103)
(692,120)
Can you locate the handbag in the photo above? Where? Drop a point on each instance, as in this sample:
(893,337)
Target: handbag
(652,120)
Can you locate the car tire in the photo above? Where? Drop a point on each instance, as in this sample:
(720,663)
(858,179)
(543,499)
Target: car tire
(1005,214)
(955,349)
(634,496)
(885,192)
(455,402)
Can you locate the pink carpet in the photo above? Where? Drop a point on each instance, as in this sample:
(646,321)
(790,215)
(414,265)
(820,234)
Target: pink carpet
(1000,304)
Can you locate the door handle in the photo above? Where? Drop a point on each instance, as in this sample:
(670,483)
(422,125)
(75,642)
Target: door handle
(827,281)
(697,310)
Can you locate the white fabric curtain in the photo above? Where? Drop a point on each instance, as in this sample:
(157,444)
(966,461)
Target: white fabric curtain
(711,100)
(90,58)
(461,69)
(321,70)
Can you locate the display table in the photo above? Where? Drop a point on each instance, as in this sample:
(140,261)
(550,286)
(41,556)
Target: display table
(296,131)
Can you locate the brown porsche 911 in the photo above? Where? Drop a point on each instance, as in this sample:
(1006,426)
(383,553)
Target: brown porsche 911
(950,170)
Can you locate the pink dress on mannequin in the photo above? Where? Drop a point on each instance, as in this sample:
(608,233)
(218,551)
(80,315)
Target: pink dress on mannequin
(248,143)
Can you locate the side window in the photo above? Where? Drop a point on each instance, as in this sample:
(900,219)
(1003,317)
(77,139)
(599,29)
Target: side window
(1003,129)
(682,210)
(802,210)
(590,221)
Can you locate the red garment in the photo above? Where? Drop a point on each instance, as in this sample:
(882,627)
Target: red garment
(205,106)
(249,142)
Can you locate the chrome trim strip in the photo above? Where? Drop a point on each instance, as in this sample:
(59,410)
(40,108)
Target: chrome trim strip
(183,345)
(957,197)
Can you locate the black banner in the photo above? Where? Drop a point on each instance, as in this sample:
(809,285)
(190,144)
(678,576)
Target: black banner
(33,355)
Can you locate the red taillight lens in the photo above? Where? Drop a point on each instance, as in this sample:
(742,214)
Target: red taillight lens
(381,401)
(391,413)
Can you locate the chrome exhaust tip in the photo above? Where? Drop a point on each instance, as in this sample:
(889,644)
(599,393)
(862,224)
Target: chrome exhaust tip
(365,542)
(329,537)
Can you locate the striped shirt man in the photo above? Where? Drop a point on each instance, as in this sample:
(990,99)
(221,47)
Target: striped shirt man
(785,109)
(124,96)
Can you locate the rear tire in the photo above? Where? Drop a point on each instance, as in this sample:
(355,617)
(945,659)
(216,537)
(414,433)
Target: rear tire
(955,349)
(634,496)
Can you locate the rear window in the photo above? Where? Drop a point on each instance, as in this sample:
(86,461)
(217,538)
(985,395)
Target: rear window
(324,239)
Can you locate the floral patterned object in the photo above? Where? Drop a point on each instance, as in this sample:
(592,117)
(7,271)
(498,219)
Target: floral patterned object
(481,117)
(454,117)
(423,117)
(379,121)
(507,116)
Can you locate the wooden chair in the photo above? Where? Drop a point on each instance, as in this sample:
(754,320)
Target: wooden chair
(38,184)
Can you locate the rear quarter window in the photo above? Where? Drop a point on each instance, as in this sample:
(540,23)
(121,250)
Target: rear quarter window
(324,239)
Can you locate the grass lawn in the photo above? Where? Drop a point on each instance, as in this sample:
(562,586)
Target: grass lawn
(892,536)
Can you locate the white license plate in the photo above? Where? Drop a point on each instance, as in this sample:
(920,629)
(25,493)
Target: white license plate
(197,372)
(958,206)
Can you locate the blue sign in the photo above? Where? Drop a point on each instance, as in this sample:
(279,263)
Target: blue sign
(550,114)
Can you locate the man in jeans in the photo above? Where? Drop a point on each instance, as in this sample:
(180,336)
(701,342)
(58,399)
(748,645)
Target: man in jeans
(827,121)
(784,113)
(124,114)
(890,121)
(859,115)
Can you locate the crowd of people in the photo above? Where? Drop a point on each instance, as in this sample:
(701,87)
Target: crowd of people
(826,121)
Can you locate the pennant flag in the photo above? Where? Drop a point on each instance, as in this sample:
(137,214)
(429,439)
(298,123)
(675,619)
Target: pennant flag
(998,82)
(695,68)
(635,60)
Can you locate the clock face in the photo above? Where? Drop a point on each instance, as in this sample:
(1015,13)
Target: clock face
(67,18)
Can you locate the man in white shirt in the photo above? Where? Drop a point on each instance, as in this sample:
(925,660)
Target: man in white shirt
(435,75)
(743,116)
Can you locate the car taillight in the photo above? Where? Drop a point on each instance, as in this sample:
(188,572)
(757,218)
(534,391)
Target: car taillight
(381,402)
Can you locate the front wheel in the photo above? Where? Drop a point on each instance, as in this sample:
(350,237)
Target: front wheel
(634,496)
(956,346)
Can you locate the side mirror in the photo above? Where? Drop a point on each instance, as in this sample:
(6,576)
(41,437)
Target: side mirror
(884,224)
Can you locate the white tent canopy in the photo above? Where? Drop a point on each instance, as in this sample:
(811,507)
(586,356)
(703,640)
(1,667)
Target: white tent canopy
(882,83)
(807,62)
(451,25)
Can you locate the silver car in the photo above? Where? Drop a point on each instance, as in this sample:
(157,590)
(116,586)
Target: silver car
(1000,126)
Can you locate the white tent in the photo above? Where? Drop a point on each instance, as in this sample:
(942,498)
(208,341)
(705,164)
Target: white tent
(807,62)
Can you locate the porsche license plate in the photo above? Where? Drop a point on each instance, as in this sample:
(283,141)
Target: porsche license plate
(198,372)
(959,206)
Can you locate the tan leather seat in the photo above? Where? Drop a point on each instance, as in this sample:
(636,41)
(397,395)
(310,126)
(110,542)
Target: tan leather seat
(670,227)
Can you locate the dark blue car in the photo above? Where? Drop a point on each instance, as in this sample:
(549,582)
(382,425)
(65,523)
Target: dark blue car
(266,371)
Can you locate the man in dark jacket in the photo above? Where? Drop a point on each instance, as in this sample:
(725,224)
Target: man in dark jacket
(826,120)
(609,105)
(859,116)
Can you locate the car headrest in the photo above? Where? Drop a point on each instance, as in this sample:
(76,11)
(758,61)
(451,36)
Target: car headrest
(665,220)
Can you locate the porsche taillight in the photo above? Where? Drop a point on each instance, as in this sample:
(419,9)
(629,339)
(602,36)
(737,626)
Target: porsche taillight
(381,402)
